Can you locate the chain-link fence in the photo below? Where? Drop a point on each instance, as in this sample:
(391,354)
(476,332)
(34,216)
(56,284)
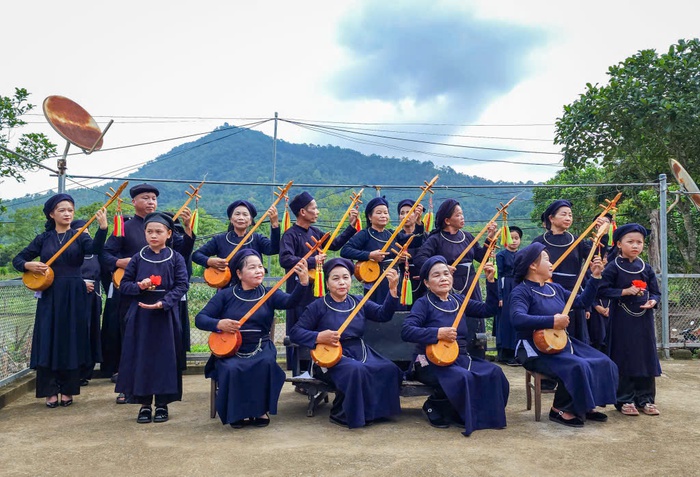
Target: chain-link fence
(17,307)
(683,311)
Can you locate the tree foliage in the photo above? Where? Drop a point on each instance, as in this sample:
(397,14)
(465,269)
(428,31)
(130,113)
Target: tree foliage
(647,113)
(35,146)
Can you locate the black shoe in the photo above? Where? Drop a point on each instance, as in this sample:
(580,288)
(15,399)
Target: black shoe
(260,421)
(559,418)
(121,399)
(435,419)
(513,362)
(596,416)
(52,405)
(84,382)
(66,403)
(114,378)
(145,415)
(161,414)
(548,384)
(337,421)
(238,424)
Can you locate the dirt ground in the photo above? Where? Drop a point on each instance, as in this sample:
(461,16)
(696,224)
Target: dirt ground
(97,437)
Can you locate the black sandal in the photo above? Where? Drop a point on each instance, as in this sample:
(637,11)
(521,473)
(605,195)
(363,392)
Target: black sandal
(260,421)
(238,424)
(121,399)
(144,415)
(161,414)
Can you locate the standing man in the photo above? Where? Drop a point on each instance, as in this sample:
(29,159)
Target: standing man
(293,248)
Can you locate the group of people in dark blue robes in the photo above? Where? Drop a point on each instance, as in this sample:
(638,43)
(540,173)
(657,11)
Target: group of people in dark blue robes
(145,330)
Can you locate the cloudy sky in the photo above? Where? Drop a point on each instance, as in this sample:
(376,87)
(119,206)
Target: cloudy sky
(488,78)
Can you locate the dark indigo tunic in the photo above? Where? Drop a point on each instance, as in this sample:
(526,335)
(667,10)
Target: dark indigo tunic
(292,249)
(221,245)
(250,382)
(632,340)
(368,240)
(370,382)
(477,389)
(505,333)
(152,357)
(567,273)
(450,246)
(91,271)
(61,337)
(588,375)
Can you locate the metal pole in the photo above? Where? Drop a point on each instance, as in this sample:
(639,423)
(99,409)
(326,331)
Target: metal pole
(274,157)
(663,246)
(62,166)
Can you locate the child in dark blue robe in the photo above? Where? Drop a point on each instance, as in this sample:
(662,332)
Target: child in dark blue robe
(470,392)
(151,362)
(241,214)
(413,227)
(366,244)
(90,271)
(250,381)
(367,384)
(557,219)
(293,248)
(632,286)
(61,348)
(598,319)
(449,240)
(506,337)
(585,377)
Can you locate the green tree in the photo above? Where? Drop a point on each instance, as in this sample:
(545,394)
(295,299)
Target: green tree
(647,113)
(36,146)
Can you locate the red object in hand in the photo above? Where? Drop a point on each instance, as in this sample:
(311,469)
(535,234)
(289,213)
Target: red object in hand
(642,285)
(156,280)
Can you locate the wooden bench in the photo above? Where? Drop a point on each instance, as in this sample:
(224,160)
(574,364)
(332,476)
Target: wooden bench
(535,386)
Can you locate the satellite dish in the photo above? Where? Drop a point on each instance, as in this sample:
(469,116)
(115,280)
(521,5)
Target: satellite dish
(686,182)
(73,123)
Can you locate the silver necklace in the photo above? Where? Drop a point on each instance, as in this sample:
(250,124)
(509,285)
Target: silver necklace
(454,241)
(354,304)
(369,231)
(544,237)
(61,240)
(156,261)
(262,293)
(250,240)
(644,265)
(449,298)
(554,292)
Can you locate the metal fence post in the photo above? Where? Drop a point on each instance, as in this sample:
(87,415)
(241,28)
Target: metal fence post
(663,246)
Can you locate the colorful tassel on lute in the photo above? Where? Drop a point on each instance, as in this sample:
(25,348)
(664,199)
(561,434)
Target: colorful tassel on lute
(429,218)
(406,287)
(194,221)
(506,239)
(118,220)
(286,220)
(320,282)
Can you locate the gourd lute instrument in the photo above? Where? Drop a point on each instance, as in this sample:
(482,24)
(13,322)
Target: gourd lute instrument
(444,353)
(118,273)
(611,204)
(551,341)
(355,200)
(480,234)
(367,271)
(327,356)
(224,344)
(220,278)
(41,281)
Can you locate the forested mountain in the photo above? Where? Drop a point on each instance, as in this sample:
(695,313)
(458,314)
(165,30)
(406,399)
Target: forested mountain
(231,154)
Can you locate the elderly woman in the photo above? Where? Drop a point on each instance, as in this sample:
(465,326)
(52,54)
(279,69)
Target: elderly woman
(368,384)
(61,351)
(586,378)
(251,380)
(449,240)
(471,391)
(241,214)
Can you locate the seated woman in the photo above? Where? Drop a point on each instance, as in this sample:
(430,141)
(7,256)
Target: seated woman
(241,214)
(585,377)
(368,385)
(250,381)
(471,391)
